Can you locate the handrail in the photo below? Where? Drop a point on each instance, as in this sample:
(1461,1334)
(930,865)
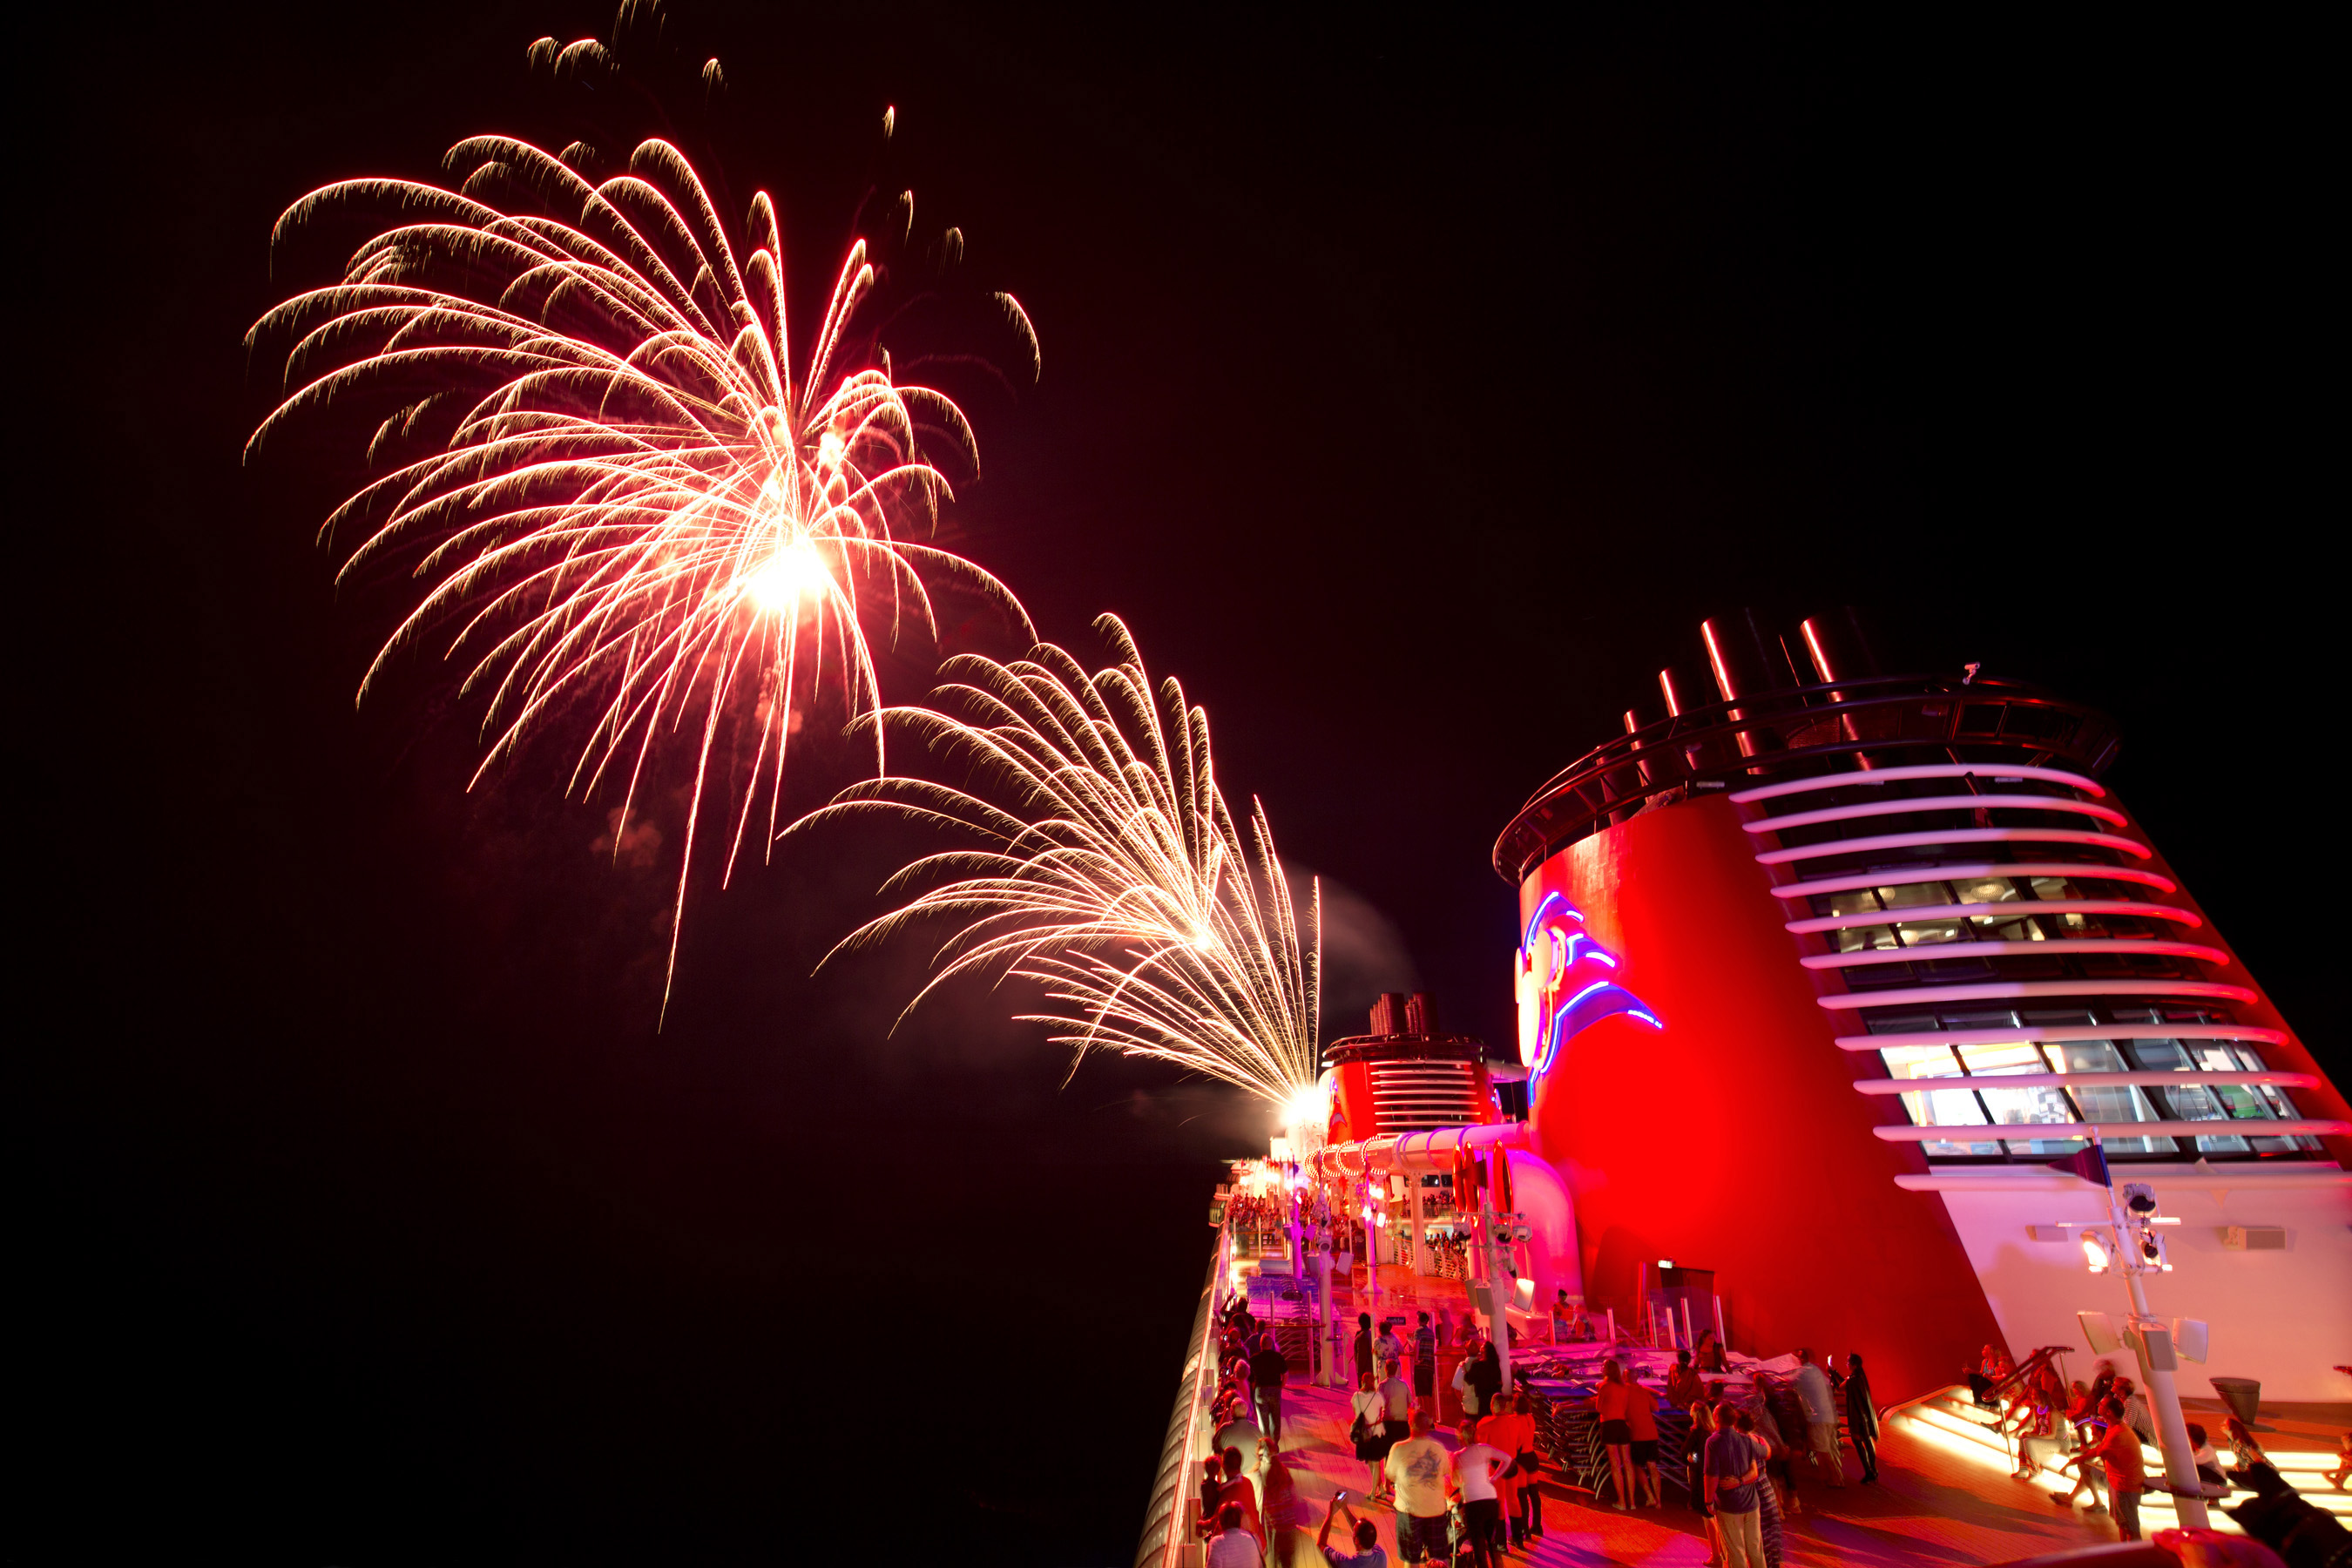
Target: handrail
(2061,1033)
(1997,772)
(1165,1531)
(1903,805)
(1981,990)
(2076,1131)
(1729,744)
(2006,910)
(1829,846)
(2056,947)
(1911,875)
(2159,1078)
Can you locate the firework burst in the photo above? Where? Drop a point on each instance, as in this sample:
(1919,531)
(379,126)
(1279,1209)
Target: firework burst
(591,447)
(1099,857)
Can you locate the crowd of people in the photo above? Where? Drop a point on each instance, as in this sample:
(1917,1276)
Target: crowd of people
(1478,1500)
(1744,1461)
(2099,1430)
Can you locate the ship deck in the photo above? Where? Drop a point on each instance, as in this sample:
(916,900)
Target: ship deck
(1941,1499)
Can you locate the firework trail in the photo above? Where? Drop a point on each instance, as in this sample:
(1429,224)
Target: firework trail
(1099,857)
(629,510)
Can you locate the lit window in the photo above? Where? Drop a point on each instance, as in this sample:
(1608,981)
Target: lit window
(1860,902)
(2006,928)
(1915,895)
(1950,1105)
(1927,933)
(1988,891)
(2019,1106)
(2110,1102)
(1855,939)
(2055,888)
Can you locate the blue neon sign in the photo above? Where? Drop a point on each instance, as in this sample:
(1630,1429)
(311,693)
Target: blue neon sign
(1559,997)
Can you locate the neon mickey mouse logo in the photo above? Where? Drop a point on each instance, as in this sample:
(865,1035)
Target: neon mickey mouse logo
(1559,998)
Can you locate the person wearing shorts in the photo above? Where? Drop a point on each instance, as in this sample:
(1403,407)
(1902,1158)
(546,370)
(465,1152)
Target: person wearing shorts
(1476,1471)
(1418,1469)
(2118,1449)
(1396,1408)
(1610,1401)
(1642,1452)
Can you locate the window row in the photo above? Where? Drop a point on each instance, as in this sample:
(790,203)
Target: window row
(1968,1093)
(2085,884)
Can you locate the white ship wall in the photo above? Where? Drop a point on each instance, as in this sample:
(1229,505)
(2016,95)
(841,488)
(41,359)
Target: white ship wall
(2283,1317)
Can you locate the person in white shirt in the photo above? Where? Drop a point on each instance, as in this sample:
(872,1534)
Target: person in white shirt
(1821,1418)
(1474,1469)
(1398,1414)
(1232,1546)
(1388,1347)
(1418,1469)
(1371,1431)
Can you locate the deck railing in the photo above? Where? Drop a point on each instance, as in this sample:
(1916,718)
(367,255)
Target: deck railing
(1167,1523)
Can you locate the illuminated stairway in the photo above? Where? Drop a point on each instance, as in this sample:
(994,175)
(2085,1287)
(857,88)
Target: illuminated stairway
(1952,1421)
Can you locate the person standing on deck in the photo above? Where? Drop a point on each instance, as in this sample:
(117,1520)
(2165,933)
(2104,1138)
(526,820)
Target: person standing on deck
(1366,1534)
(1475,1468)
(1513,1430)
(1820,1417)
(1387,1349)
(1861,1419)
(1418,1469)
(1641,1454)
(1732,1477)
(1368,1431)
(1483,1377)
(1396,1408)
(1682,1385)
(1232,1546)
(1424,1366)
(1231,1489)
(1363,1346)
(1702,1428)
(1267,1370)
(1770,1523)
(2118,1449)
(1609,1398)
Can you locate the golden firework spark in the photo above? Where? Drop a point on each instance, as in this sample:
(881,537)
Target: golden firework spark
(1099,856)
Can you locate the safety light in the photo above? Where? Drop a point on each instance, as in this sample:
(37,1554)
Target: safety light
(2095,1253)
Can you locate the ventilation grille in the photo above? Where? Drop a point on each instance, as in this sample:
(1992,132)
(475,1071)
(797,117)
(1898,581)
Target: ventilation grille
(2254,1237)
(1412,1097)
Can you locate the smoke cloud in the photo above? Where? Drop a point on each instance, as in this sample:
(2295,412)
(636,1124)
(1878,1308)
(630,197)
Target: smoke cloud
(1363,953)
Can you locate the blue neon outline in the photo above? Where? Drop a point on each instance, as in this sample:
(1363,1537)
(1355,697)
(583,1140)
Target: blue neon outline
(1577,947)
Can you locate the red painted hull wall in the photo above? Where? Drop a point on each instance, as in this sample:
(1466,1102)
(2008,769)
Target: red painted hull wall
(1733,1138)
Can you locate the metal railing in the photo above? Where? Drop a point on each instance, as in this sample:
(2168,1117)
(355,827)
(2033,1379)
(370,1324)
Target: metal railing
(1167,1526)
(1783,733)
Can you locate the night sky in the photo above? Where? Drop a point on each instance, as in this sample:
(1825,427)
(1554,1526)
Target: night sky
(1411,384)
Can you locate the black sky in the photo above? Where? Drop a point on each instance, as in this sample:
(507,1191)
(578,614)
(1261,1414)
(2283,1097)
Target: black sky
(1413,384)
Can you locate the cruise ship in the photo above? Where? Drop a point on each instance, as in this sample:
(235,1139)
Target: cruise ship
(1825,978)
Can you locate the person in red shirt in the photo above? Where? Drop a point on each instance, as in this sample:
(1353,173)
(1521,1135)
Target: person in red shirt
(1642,1454)
(2118,1449)
(1513,1431)
(1610,1403)
(1234,1491)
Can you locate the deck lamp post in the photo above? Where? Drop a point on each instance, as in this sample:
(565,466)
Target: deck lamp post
(2133,1248)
